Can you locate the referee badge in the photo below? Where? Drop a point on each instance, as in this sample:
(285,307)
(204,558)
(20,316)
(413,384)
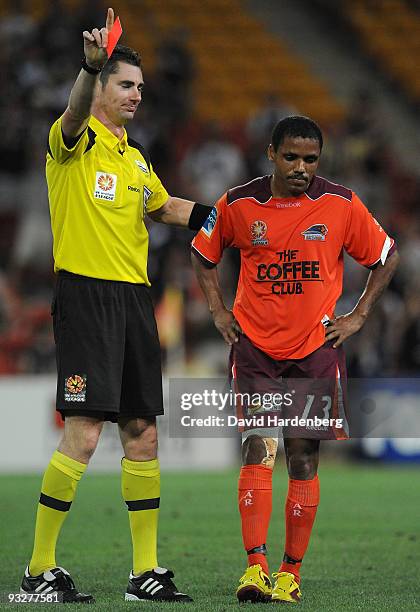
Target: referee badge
(75,388)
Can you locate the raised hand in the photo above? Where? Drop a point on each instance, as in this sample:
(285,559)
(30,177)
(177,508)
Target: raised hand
(95,43)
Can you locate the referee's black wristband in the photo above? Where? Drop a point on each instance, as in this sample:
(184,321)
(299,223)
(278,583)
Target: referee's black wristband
(89,69)
(198,215)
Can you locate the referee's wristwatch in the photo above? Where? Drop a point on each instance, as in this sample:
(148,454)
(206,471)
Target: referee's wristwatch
(90,69)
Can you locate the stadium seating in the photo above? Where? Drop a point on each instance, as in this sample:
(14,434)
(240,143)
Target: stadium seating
(238,63)
(390,31)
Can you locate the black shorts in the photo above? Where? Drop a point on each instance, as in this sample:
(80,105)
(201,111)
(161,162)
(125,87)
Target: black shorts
(108,352)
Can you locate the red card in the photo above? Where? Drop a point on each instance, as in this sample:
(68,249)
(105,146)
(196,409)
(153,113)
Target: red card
(114,36)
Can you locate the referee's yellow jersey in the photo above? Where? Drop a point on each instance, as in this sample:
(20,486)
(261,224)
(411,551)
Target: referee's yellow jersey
(99,191)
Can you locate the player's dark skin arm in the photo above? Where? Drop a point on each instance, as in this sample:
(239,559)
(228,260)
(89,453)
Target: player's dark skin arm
(302,456)
(223,318)
(346,325)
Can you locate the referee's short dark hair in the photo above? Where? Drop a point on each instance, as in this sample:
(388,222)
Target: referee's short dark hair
(123,54)
(296,126)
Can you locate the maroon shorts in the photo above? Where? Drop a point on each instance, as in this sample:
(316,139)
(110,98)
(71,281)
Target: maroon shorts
(306,397)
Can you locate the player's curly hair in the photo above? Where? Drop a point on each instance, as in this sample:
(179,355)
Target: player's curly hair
(127,55)
(296,126)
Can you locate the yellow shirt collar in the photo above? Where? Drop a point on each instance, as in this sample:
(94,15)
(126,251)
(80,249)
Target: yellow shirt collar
(110,139)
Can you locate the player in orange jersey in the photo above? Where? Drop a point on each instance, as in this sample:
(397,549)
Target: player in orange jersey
(292,229)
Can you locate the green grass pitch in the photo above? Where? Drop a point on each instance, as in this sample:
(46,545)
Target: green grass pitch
(364,552)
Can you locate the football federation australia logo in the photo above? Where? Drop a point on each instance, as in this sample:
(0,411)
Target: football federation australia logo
(316,232)
(75,388)
(105,182)
(258,233)
(105,186)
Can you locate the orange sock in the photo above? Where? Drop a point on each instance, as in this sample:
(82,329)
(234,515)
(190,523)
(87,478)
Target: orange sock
(301,506)
(254,499)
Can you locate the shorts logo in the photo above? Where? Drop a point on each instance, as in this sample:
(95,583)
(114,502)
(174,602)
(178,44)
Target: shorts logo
(326,320)
(105,186)
(142,166)
(75,388)
(316,232)
(210,222)
(254,408)
(258,232)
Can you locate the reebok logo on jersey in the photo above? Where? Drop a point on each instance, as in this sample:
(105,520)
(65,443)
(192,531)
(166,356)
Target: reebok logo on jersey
(210,222)
(288,204)
(316,232)
(105,186)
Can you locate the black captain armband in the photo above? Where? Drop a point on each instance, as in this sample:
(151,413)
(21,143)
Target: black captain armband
(198,215)
(90,69)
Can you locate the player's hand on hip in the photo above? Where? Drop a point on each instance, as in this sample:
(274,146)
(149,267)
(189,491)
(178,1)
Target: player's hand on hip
(227,325)
(95,43)
(343,327)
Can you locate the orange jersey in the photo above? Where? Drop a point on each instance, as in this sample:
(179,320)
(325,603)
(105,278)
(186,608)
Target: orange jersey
(291,258)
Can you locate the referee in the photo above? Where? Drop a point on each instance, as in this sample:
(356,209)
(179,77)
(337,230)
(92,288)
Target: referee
(101,185)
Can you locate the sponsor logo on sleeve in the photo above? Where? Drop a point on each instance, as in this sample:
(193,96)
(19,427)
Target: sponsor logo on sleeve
(210,222)
(258,233)
(316,232)
(147,193)
(75,388)
(105,186)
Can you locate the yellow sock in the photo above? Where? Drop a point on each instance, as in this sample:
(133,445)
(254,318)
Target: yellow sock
(57,493)
(140,484)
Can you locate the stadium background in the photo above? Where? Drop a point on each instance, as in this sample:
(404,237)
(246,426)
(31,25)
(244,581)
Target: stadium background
(218,75)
